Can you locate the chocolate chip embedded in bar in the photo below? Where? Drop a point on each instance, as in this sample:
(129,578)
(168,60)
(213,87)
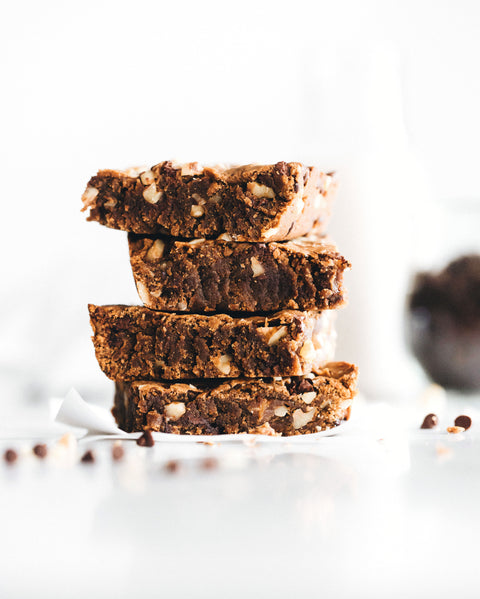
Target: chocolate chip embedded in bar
(281,406)
(133,343)
(206,275)
(246,203)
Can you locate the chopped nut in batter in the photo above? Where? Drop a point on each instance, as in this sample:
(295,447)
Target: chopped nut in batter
(175,410)
(197,211)
(147,177)
(151,195)
(223,363)
(143,292)
(257,267)
(301,418)
(309,396)
(278,334)
(266,429)
(260,191)
(271,233)
(156,250)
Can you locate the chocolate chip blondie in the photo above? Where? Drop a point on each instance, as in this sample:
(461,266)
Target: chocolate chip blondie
(205,275)
(132,343)
(270,406)
(243,203)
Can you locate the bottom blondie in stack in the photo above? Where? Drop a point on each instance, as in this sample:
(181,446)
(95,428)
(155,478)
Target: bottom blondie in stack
(239,286)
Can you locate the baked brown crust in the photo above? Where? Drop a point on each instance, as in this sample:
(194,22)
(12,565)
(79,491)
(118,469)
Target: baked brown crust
(207,275)
(247,203)
(283,406)
(133,343)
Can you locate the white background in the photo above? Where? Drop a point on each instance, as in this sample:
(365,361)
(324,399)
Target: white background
(388,94)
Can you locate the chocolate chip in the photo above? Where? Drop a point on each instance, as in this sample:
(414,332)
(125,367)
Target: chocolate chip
(299,385)
(430,421)
(304,386)
(209,463)
(40,450)
(146,440)
(10,456)
(117,452)
(172,466)
(464,421)
(88,457)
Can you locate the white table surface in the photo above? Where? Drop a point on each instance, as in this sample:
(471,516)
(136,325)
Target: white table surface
(380,510)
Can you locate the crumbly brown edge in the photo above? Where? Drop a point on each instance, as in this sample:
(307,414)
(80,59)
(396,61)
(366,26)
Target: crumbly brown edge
(220,275)
(282,406)
(249,203)
(133,342)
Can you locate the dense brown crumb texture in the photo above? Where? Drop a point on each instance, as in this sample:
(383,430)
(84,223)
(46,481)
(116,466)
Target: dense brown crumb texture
(133,343)
(283,406)
(216,275)
(246,203)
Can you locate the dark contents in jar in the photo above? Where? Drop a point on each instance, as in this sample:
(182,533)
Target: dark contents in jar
(444,323)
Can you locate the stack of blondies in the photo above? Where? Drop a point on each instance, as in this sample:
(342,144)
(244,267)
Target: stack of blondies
(239,287)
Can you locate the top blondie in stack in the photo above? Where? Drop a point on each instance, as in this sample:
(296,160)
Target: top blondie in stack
(239,287)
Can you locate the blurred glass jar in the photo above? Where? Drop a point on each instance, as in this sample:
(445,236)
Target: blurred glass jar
(443,307)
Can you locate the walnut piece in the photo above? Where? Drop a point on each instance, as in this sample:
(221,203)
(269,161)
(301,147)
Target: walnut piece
(143,292)
(198,198)
(278,334)
(260,191)
(281,411)
(190,169)
(147,177)
(223,363)
(298,206)
(257,267)
(89,196)
(309,396)
(301,418)
(197,211)
(151,195)
(175,410)
(156,250)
